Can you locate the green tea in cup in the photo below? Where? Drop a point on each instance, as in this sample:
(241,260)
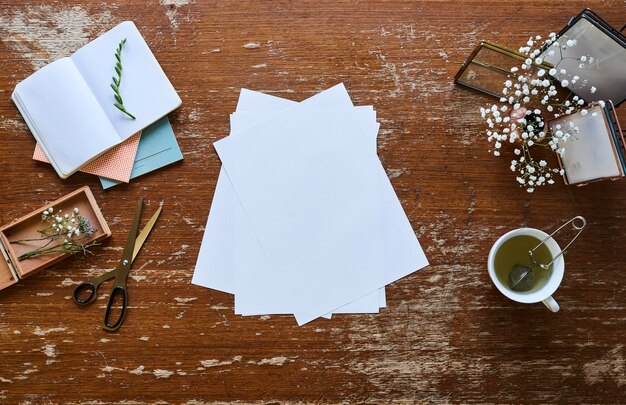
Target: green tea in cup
(514,251)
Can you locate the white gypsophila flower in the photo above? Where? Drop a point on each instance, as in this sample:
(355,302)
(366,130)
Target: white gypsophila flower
(592,89)
(602,104)
(524,92)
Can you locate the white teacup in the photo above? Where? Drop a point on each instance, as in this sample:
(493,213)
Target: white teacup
(544,294)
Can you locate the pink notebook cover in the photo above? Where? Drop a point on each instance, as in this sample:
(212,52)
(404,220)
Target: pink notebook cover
(115,164)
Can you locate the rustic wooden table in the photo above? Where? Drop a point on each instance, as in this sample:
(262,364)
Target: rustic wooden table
(447,334)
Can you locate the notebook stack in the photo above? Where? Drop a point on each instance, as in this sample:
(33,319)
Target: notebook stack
(304,219)
(70,108)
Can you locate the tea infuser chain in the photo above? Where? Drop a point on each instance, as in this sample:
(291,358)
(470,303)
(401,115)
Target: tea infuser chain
(520,273)
(579,227)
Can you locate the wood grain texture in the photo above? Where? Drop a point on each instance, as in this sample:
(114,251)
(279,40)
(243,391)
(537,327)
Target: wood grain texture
(447,335)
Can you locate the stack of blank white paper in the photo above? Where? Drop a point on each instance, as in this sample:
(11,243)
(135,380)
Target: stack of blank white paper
(304,220)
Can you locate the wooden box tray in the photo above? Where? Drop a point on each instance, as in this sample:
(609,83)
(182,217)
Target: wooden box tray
(27,227)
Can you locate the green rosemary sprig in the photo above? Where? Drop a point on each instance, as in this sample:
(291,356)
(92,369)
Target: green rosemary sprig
(119,103)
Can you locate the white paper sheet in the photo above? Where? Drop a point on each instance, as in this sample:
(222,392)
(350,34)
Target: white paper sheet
(247,269)
(312,204)
(220,244)
(402,253)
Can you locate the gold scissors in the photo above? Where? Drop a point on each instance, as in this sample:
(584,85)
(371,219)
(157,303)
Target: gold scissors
(87,292)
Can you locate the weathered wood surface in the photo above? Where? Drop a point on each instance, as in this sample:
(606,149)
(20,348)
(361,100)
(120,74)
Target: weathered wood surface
(447,335)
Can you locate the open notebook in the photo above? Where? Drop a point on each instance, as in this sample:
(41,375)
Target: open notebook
(68,104)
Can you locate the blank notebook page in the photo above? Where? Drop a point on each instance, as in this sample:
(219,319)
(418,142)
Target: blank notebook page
(65,115)
(146,91)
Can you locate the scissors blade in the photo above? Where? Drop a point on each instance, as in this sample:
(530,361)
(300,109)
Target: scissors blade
(127,257)
(143,235)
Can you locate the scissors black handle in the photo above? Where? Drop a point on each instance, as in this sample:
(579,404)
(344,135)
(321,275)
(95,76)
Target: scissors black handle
(90,287)
(81,289)
(117,291)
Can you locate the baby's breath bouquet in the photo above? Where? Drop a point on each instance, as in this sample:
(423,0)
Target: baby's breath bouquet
(63,234)
(530,99)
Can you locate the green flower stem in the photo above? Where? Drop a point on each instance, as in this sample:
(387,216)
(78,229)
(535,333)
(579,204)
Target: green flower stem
(72,248)
(37,239)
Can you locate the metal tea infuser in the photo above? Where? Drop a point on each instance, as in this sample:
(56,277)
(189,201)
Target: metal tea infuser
(522,278)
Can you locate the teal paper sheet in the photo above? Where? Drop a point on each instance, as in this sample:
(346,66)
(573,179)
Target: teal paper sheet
(157,148)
